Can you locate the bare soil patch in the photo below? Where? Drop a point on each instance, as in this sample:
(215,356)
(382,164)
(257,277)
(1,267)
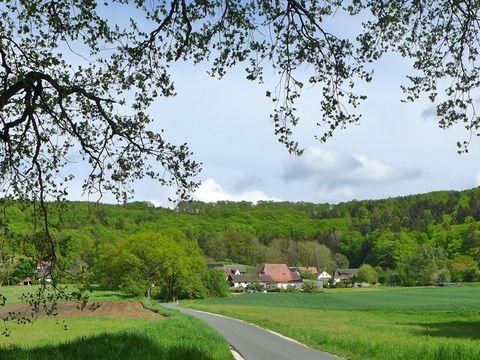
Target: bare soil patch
(117,309)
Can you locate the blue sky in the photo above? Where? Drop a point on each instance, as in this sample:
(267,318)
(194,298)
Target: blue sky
(398,149)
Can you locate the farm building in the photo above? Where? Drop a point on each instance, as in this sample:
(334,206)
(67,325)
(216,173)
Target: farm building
(344,275)
(281,276)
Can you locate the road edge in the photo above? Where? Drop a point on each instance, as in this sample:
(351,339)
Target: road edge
(235,353)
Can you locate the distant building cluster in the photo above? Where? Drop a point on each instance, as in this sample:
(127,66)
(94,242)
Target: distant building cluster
(279,276)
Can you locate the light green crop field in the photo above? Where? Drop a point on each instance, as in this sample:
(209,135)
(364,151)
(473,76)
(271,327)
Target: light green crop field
(14,293)
(385,323)
(172,337)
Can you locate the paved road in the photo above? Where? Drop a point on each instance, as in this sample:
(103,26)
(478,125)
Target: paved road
(254,343)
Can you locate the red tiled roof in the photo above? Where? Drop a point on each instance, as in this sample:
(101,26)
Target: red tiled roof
(280,273)
(295,276)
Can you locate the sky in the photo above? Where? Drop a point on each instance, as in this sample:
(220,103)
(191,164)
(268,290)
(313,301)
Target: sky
(397,149)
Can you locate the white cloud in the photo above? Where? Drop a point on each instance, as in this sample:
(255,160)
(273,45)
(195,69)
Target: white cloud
(211,191)
(317,162)
(338,170)
(372,171)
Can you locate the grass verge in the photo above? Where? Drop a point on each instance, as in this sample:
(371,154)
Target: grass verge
(175,337)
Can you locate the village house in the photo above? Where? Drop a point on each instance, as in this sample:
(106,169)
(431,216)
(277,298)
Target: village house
(235,269)
(304,270)
(344,275)
(240,267)
(44,269)
(242,281)
(27,281)
(323,276)
(228,269)
(281,276)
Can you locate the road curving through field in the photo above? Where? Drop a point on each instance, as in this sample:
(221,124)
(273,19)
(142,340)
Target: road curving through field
(255,343)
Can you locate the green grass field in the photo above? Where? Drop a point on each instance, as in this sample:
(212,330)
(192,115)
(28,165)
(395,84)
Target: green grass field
(173,337)
(385,323)
(13,293)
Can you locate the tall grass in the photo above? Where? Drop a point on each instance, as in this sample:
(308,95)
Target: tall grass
(397,324)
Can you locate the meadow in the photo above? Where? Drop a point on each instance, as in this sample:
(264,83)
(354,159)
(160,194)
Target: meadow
(170,336)
(13,294)
(384,323)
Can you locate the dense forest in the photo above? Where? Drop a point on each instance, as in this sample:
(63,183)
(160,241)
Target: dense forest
(411,240)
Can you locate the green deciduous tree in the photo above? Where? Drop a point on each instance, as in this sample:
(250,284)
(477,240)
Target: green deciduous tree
(351,246)
(214,281)
(341,261)
(426,267)
(23,267)
(311,253)
(239,246)
(471,237)
(464,268)
(148,260)
(390,248)
(366,273)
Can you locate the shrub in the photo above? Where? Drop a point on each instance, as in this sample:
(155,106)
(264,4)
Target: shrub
(310,287)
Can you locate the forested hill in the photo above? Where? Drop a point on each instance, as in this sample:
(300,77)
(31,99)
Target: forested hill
(382,232)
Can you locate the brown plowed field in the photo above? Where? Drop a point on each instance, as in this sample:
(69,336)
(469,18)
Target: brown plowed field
(120,310)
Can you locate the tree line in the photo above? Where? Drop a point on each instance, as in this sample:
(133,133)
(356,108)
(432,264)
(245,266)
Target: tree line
(411,240)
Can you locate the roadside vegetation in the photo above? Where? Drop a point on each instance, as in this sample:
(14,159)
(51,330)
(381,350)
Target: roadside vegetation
(359,324)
